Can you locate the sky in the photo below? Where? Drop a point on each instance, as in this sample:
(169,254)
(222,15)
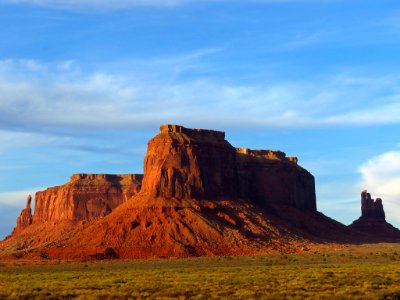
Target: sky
(84,84)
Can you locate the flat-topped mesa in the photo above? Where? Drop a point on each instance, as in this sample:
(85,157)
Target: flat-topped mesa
(85,197)
(188,163)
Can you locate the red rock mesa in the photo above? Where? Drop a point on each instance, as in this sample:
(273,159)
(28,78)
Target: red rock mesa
(199,196)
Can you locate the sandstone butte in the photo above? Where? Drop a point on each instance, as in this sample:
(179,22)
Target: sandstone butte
(198,196)
(373,220)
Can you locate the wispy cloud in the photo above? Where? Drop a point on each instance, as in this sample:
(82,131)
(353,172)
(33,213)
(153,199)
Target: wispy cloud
(43,98)
(16,139)
(381,176)
(16,199)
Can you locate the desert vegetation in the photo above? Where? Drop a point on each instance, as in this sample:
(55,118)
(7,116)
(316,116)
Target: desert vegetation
(351,272)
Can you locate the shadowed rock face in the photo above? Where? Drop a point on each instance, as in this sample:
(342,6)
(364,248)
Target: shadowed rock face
(270,178)
(372,220)
(370,208)
(85,197)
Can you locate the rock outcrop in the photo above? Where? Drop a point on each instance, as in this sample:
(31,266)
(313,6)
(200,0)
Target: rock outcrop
(25,218)
(199,196)
(372,220)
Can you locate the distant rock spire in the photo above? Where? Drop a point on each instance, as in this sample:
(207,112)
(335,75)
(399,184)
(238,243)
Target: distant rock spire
(25,217)
(28,201)
(372,220)
(370,208)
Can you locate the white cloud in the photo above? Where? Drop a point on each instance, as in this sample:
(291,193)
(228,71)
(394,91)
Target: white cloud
(381,176)
(18,198)
(40,97)
(15,139)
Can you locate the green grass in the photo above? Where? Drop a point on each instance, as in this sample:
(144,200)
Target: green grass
(366,272)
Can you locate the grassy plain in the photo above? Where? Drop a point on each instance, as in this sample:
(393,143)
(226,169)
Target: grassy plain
(353,272)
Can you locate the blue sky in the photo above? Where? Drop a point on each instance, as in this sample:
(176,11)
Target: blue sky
(84,85)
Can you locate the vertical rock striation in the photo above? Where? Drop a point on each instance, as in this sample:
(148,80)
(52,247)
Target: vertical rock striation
(187,163)
(193,163)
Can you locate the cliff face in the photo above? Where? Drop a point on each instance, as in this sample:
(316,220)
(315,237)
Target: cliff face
(85,197)
(270,178)
(189,163)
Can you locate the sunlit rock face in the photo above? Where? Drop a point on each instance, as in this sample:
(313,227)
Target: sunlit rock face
(25,217)
(85,197)
(190,163)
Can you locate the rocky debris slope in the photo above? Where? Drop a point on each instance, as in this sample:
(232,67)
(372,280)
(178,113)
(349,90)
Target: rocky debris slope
(199,196)
(372,220)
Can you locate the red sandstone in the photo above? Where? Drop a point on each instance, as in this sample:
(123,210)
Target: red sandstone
(199,196)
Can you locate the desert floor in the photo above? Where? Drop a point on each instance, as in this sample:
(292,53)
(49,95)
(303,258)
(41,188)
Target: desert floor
(370,271)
